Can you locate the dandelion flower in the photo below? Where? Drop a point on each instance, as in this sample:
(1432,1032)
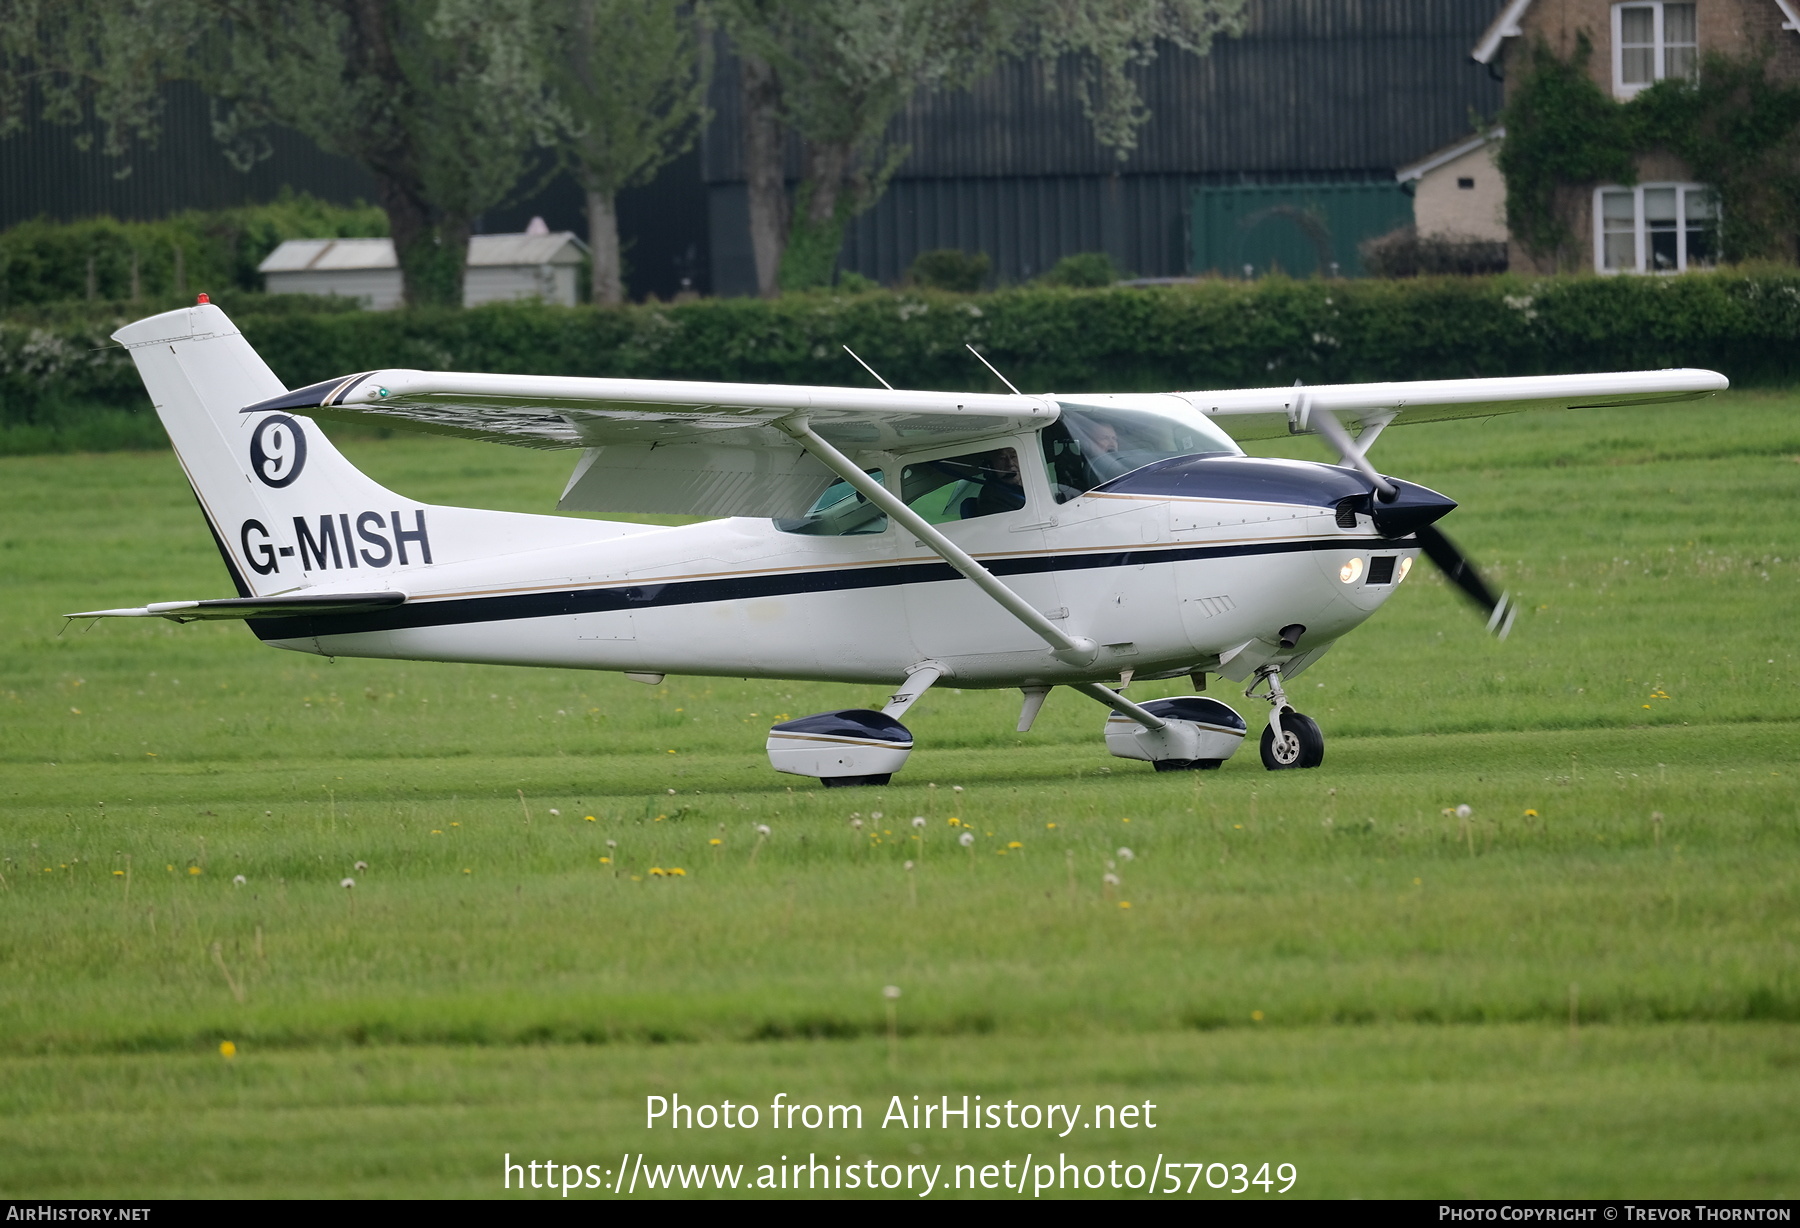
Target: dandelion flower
(658,872)
(1257,1015)
(966,839)
(891,992)
(918,820)
(1125,854)
(237,880)
(909,865)
(612,844)
(227,1050)
(1110,879)
(590,818)
(437,831)
(193,869)
(1530,813)
(762,829)
(556,812)
(678,872)
(1050,826)
(347,883)
(1014,844)
(1124,903)
(361,865)
(875,815)
(715,840)
(605,861)
(956,788)
(955,822)
(856,823)
(118,874)
(466,870)
(1464,811)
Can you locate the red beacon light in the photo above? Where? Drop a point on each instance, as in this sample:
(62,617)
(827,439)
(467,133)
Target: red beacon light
(202,298)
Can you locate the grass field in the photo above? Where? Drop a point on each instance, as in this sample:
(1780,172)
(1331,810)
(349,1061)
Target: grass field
(1589,987)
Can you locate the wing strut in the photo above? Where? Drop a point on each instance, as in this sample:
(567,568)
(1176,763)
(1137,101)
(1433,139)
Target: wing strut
(1069,649)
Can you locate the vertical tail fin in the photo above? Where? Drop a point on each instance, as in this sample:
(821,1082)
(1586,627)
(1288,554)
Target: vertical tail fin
(286,508)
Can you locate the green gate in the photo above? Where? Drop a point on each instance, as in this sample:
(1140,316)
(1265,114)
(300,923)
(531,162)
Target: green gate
(1301,229)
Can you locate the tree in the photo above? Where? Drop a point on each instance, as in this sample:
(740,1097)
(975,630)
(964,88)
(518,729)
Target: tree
(837,71)
(441,101)
(628,81)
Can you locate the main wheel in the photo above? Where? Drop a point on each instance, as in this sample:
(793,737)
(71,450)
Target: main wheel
(1301,744)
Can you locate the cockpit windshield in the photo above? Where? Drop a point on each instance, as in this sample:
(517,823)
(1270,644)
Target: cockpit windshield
(1090,445)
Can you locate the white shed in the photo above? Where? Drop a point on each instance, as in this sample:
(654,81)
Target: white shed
(1460,193)
(501,268)
(540,266)
(362,269)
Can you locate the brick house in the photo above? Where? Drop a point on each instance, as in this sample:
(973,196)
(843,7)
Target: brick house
(1666,221)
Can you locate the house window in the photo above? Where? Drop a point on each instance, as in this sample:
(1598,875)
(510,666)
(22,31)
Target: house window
(1653,40)
(1655,228)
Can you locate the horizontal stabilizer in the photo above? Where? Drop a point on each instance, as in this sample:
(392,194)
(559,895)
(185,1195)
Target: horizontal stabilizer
(293,605)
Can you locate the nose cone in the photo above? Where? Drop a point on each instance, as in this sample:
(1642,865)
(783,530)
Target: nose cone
(1413,507)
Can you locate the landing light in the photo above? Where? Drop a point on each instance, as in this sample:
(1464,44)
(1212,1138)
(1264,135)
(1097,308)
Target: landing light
(1350,572)
(1405,566)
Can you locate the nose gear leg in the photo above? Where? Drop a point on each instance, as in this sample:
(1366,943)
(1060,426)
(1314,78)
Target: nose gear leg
(1292,740)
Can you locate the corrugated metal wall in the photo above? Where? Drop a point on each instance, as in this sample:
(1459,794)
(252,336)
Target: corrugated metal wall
(1315,90)
(43,173)
(1310,85)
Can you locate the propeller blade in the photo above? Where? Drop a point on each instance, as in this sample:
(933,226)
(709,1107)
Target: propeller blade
(1461,572)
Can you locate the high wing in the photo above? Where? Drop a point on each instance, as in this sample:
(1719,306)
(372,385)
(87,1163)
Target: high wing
(699,448)
(1249,414)
(675,446)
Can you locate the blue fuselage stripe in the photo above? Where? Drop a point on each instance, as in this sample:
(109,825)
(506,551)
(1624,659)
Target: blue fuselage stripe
(654,594)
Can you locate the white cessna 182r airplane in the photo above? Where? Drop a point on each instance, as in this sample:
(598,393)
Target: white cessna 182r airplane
(870,535)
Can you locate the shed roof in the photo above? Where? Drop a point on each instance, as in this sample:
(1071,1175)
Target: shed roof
(527,249)
(329,255)
(341,255)
(1449,153)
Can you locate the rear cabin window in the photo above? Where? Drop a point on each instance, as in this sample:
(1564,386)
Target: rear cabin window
(839,512)
(1085,448)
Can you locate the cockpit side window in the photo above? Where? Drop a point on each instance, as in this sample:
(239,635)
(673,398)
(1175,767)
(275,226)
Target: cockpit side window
(839,512)
(1087,447)
(964,487)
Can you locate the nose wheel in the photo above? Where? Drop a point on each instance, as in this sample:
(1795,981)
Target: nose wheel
(1291,739)
(1298,745)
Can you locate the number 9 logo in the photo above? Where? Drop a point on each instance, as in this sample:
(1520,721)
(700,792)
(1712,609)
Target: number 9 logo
(277,450)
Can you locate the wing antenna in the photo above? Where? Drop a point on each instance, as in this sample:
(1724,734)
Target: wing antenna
(868,368)
(990,366)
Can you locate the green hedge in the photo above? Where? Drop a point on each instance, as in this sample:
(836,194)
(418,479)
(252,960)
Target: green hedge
(1208,335)
(47,262)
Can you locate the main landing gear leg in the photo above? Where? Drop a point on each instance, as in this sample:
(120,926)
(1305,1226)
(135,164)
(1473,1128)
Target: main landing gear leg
(1291,740)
